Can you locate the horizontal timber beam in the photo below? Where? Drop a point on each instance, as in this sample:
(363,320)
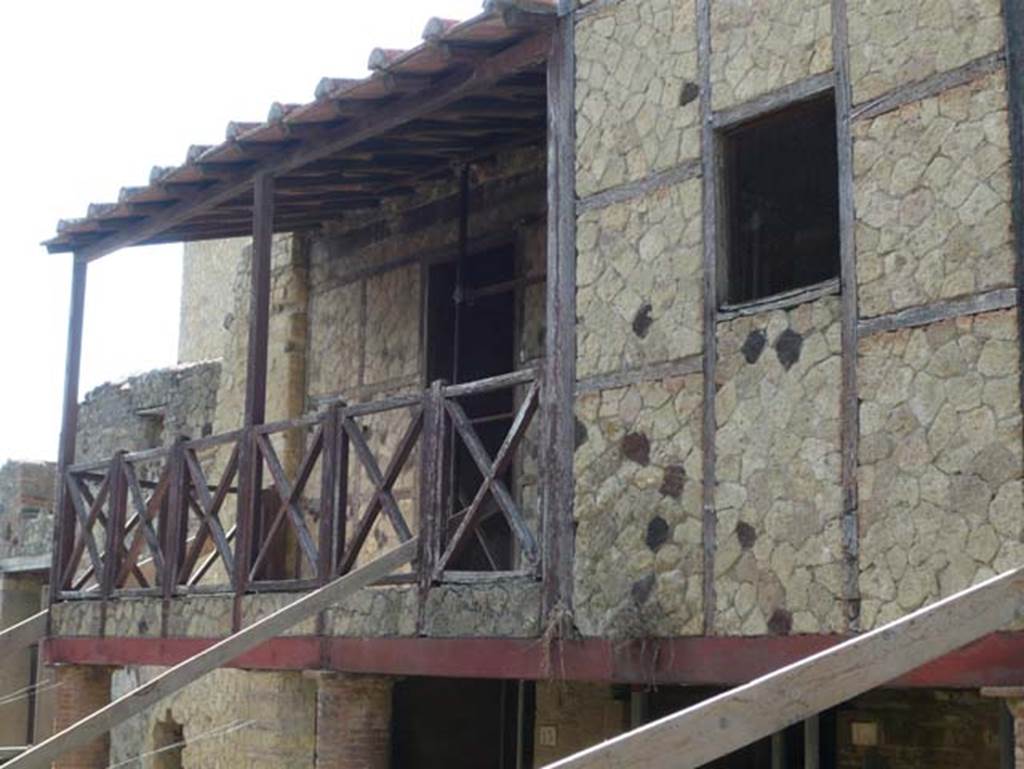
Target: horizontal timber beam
(995,660)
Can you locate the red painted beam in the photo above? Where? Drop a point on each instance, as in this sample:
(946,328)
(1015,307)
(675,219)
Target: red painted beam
(997,660)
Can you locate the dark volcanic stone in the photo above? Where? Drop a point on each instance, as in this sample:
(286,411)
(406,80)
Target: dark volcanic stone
(674,481)
(787,348)
(636,447)
(643,321)
(657,533)
(754,346)
(781,622)
(746,534)
(689,92)
(642,588)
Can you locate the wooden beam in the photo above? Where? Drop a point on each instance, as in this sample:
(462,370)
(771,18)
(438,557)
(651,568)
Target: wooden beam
(23,634)
(716,727)
(944,309)
(788,95)
(64,517)
(1013,16)
(688,169)
(849,403)
(218,655)
(558,415)
(334,139)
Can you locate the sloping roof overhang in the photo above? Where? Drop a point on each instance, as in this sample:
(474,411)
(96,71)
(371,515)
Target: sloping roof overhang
(470,89)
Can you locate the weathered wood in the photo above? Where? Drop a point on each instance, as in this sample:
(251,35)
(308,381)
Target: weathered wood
(688,169)
(558,426)
(997,299)
(329,471)
(492,477)
(700,734)
(812,742)
(208,506)
(490,384)
(691,364)
(782,301)
(849,402)
(335,138)
(218,655)
(145,512)
(786,96)
(177,517)
(64,517)
(385,404)
(710,173)
(1013,17)
(594,7)
(22,634)
(929,86)
(496,486)
(433,510)
(75,496)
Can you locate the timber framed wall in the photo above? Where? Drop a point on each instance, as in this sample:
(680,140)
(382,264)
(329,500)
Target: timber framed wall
(767,469)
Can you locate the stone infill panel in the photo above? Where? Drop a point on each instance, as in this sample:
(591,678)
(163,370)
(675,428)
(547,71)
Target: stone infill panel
(638,509)
(940,461)
(506,608)
(778,561)
(895,42)
(932,188)
(636,92)
(639,298)
(758,46)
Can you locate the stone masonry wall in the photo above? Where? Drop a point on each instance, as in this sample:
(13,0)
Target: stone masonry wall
(760,45)
(779,550)
(207,303)
(638,277)
(940,461)
(895,42)
(26,508)
(638,537)
(932,186)
(636,91)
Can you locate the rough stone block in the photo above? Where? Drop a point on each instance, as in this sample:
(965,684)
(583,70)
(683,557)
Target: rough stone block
(778,562)
(932,187)
(507,609)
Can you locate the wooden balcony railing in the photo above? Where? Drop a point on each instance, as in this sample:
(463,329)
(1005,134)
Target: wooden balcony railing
(176,520)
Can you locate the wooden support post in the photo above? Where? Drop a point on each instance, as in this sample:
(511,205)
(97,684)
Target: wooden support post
(433,500)
(177,516)
(722,724)
(709,174)
(250,464)
(329,473)
(116,516)
(221,653)
(849,407)
(64,519)
(558,395)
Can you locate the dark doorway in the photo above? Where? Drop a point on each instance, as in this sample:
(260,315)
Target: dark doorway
(461,724)
(466,342)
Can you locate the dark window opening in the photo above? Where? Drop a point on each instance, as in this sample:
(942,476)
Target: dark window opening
(781,202)
(475,342)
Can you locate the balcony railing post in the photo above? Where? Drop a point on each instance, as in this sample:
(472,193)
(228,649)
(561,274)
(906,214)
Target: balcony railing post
(433,486)
(177,517)
(116,510)
(330,473)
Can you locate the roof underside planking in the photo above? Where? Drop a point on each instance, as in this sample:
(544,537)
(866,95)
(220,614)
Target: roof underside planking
(470,89)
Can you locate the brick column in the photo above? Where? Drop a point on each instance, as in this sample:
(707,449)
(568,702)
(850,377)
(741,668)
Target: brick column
(353,721)
(81,690)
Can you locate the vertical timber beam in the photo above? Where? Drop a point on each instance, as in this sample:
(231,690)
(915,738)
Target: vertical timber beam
(250,463)
(1013,15)
(558,394)
(64,520)
(709,174)
(848,408)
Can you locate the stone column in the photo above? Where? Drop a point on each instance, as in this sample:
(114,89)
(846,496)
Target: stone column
(353,721)
(80,691)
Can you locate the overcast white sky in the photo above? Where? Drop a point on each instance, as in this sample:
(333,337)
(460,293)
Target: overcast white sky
(96,93)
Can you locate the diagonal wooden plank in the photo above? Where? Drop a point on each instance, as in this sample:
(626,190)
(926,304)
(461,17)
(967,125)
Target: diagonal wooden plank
(176,678)
(383,483)
(208,562)
(285,492)
(223,489)
(86,519)
(145,512)
(506,453)
(722,724)
(208,506)
(498,489)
